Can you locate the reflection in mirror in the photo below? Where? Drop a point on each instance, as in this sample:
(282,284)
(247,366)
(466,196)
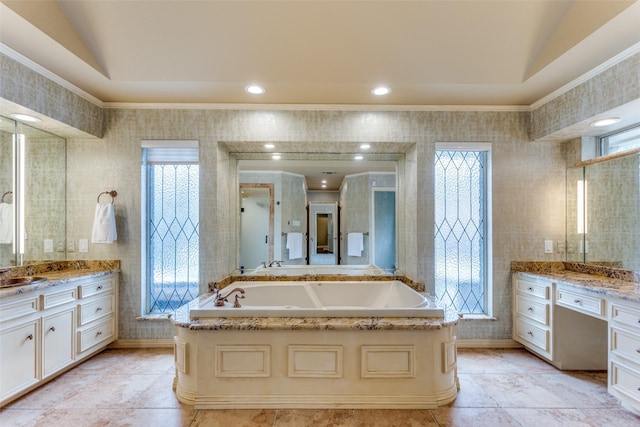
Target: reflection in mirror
(297,182)
(606,228)
(39,193)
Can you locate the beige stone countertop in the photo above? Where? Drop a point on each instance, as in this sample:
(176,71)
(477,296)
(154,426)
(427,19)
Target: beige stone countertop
(182,319)
(605,286)
(57,273)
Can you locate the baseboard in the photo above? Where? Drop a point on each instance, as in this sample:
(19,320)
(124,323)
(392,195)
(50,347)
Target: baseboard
(490,343)
(146,343)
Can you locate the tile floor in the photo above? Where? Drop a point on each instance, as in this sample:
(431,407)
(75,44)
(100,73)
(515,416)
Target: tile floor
(498,388)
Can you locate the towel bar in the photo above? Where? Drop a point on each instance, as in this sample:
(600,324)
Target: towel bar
(5,194)
(112,193)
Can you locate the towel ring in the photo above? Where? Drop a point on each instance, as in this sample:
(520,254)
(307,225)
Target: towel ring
(112,193)
(5,194)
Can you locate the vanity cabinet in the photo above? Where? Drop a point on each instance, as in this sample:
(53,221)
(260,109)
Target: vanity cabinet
(564,325)
(624,353)
(532,314)
(45,332)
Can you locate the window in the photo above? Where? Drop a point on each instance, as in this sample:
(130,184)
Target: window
(461,223)
(627,139)
(170,174)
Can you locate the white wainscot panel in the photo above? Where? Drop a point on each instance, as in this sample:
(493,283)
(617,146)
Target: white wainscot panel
(393,361)
(242,361)
(315,361)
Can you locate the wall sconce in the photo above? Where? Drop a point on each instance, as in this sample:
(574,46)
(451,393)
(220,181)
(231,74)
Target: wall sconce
(582,206)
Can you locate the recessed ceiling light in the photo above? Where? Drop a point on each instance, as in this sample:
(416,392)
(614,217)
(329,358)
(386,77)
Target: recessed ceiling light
(380,90)
(255,89)
(269,146)
(365,146)
(358,157)
(276,157)
(25,117)
(605,122)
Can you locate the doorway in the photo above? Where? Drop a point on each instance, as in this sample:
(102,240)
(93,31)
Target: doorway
(323,227)
(256,225)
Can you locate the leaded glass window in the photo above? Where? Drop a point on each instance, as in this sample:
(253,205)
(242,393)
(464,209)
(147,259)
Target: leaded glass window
(460,229)
(172,227)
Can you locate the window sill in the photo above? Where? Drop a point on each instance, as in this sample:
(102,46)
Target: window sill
(154,317)
(476,317)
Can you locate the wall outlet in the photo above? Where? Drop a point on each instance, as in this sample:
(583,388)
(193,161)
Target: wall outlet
(48,246)
(71,247)
(83,245)
(548,246)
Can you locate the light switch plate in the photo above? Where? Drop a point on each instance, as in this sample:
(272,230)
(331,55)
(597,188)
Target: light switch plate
(83,245)
(548,246)
(48,246)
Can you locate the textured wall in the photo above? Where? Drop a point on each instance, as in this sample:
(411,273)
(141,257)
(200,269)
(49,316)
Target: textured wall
(25,87)
(527,190)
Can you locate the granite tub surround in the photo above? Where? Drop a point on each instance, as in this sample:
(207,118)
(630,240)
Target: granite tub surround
(181,318)
(57,273)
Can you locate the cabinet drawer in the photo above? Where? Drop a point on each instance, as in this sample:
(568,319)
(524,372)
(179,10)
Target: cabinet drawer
(58,297)
(626,316)
(19,308)
(533,309)
(528,331)
(96,287)
(576,300)
(526,287)
(102,331)
(625,344)
(624,380)
(95,309)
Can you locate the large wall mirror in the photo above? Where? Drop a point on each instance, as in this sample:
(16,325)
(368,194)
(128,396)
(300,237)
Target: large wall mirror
(33,190)
(603,213)
(303,183)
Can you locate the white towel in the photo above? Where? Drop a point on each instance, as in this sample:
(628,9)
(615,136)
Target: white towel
(294,244)
(6,223)
(104,224)
(355,244)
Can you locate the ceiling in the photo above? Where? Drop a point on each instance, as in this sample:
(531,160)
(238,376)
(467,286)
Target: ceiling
(476,52)
(320,54)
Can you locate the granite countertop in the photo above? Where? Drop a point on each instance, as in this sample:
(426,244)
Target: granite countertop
(57,273)
(603,285)
(182,319)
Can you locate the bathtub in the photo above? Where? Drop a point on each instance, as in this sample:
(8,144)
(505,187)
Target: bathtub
(333,270)
(321,299)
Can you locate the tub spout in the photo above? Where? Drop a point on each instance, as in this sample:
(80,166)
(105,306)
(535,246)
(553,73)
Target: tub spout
(221,299)
(276,263)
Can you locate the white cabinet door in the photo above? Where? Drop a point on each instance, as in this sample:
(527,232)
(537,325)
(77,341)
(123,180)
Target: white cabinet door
(58,334)
(18,357)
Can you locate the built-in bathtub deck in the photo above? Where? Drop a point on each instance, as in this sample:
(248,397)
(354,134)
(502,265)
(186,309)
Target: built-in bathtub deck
(314,362)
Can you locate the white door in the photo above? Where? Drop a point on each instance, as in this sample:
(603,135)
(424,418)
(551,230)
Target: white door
(322,238)
(255,234)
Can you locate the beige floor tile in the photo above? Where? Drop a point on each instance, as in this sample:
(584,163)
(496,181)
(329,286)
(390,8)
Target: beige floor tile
(474,417)
(315,417)
(19,417)
(394,418)
(572,417)
(471,395)
(519,391)
(152,418)
(110,391)
(235,418)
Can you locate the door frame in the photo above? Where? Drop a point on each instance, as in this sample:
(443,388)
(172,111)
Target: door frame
(270,188)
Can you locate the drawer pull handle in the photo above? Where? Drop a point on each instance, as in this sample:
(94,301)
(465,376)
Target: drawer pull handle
(99,309)
(530,308)
(52,329)
(99,287)
(30,337)
(530,289)
(98,333)
(530,333)
(637,350)
(576,301)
